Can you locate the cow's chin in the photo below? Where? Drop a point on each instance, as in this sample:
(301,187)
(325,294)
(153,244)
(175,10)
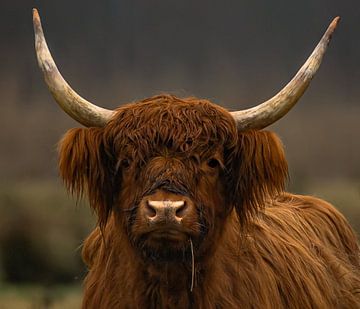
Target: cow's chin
(165,246)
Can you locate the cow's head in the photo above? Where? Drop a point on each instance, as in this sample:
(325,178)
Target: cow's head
(172,169)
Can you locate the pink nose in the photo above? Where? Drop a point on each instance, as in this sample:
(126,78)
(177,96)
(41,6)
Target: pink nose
(166,210)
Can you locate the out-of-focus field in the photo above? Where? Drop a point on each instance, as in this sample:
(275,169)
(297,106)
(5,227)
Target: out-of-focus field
(36,297)
(41,231)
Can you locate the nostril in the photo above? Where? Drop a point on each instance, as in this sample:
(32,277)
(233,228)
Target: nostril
(180,212)
(168,210)
(150,210)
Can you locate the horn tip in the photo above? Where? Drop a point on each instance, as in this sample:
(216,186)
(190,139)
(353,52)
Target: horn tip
(335,23)
(36,16)
(36,20)
(37,24)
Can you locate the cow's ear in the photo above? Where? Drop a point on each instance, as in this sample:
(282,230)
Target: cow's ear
(86,168)
(258,171)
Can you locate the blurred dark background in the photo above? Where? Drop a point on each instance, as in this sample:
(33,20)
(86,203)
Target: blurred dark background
(235,53)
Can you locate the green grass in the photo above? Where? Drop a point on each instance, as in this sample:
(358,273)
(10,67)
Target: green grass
(37,297)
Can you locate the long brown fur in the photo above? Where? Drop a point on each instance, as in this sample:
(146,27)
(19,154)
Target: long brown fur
(255,246)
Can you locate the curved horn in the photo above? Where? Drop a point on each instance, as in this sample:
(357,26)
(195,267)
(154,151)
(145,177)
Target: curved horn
(265,114)
(74,105)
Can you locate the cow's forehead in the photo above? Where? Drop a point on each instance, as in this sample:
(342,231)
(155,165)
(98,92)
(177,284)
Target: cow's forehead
(168,119)
(171,109)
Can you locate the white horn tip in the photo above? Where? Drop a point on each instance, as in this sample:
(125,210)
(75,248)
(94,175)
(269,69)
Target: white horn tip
(336,21)
(334,24)
(36,17)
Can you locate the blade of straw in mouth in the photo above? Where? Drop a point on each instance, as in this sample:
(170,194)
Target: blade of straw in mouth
(192,265)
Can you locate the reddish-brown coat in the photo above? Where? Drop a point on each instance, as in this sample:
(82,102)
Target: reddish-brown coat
(255,246)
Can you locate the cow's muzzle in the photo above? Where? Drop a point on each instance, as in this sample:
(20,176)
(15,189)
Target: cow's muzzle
(165,210)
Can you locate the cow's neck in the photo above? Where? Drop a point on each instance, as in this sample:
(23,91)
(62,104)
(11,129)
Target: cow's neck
(174,285)
(118,274)
(156,284)
(168,284)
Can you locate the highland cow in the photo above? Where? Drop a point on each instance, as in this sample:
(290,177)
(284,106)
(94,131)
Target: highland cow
(191,206)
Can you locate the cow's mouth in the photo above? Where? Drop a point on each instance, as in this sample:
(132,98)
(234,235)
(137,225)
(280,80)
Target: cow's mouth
(168,235)
(165,245)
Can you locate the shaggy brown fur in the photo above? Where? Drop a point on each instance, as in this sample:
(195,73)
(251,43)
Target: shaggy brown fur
(254,245)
